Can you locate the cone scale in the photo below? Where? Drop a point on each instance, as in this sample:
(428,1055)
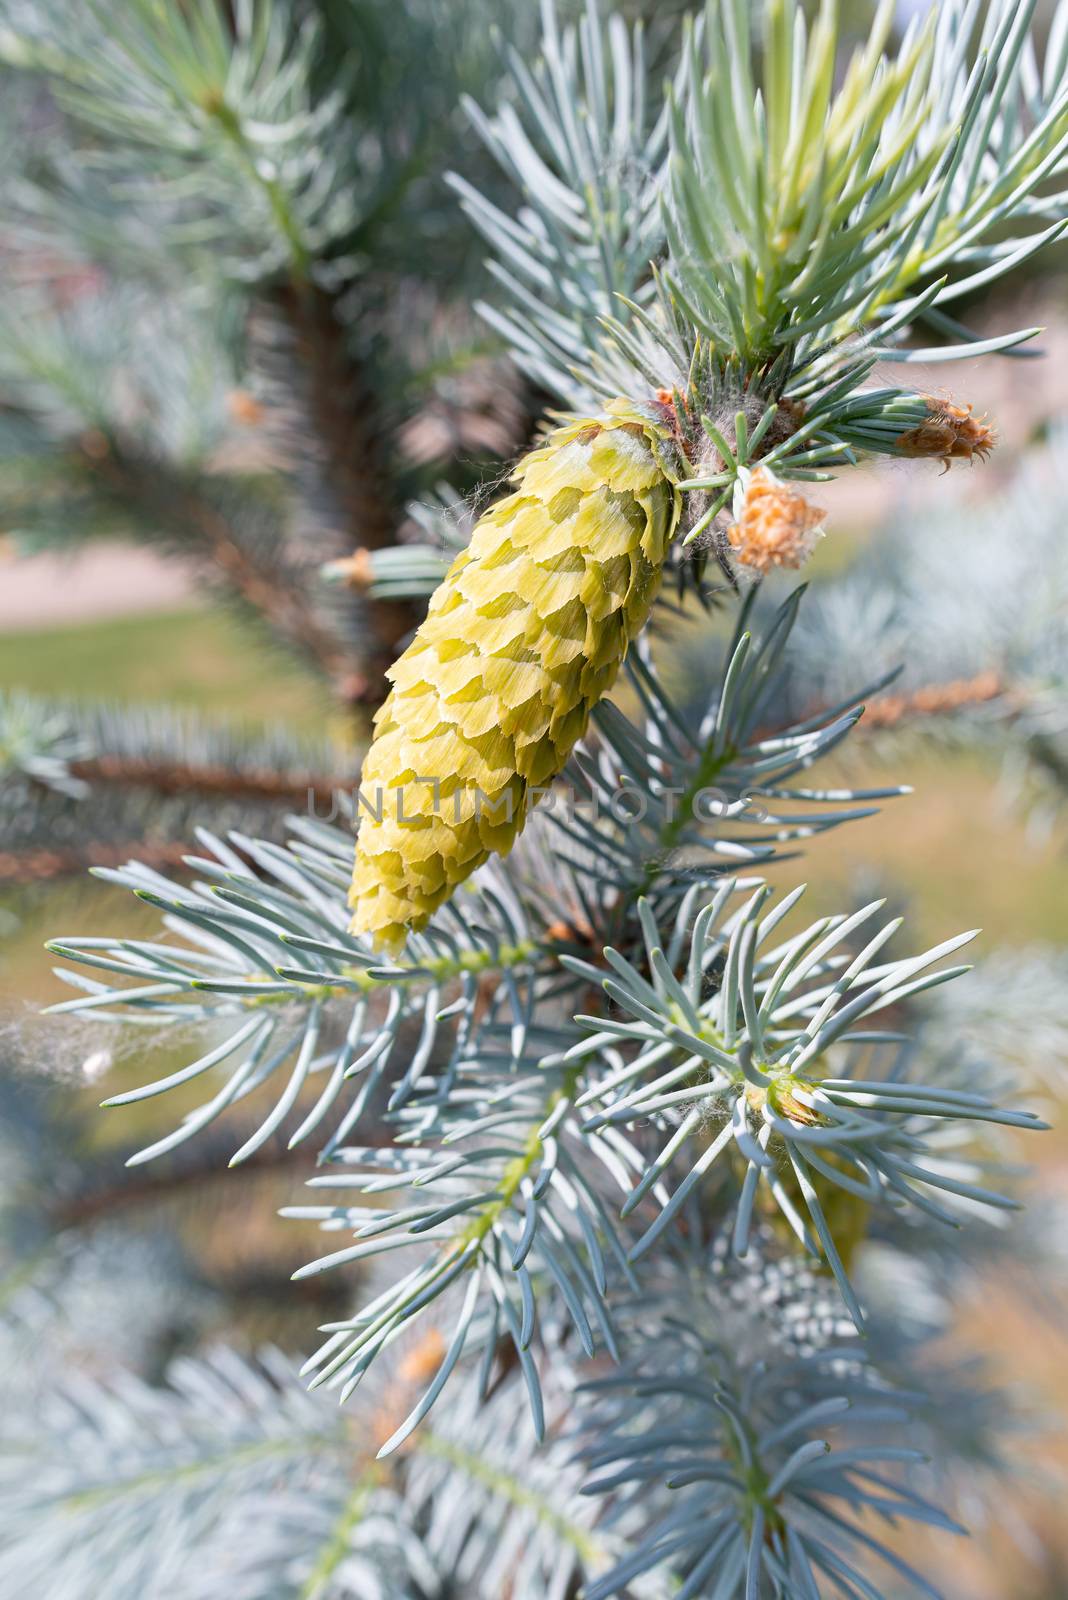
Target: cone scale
(526,632)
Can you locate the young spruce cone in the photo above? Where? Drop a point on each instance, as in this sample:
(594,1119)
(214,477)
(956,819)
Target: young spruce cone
(524,635)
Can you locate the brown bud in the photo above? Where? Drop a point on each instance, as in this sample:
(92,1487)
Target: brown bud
(423,1359)
(575,931)
(356,571)
(244,408)
(948,433)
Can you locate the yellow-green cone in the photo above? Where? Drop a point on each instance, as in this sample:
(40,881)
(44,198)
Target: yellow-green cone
(524,635)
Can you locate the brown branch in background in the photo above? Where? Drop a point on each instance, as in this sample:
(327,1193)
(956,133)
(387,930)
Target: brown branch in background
(343,417)
(338,441)
(227,783)
(285,609)
(250,1265)
(40,865)
(178,509)
(934,700)
(346,423)
(158,1188)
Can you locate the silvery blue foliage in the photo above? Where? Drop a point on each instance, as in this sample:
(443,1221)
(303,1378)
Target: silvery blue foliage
(500,1515)
(263,143)
(37,747)
(584,138)
(617,1151)
(230,1479)
(79,366)
(528,1155)
(93,1301)
(760,1058)
(515,1136)
(932,592)
(978,594)
(1016,1025)
(768,1458)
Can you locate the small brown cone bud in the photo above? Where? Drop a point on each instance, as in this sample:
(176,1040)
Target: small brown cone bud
(948,433)
(244,408)
(356,571)
(423,1359)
